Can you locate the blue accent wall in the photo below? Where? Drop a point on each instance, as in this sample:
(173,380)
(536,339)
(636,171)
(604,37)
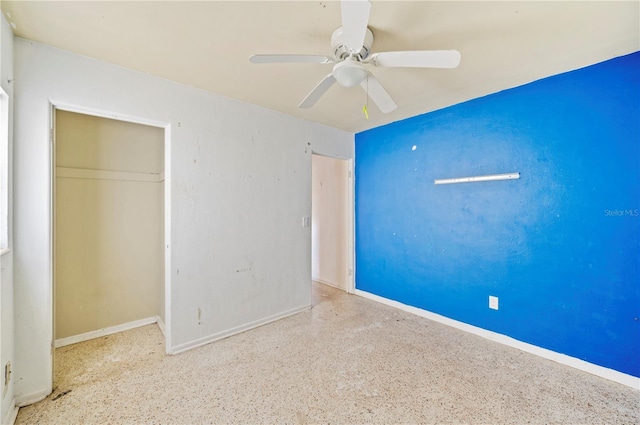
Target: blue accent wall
(560,247)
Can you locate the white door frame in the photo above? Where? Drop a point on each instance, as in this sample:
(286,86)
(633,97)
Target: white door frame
(167,205)
(351,281)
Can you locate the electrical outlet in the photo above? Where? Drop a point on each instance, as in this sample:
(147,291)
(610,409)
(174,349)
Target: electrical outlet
(493,302)
(306,221)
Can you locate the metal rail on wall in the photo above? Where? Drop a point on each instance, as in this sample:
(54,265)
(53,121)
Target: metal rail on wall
(487,178)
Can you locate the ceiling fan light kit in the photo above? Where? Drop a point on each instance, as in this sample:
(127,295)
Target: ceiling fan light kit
(351,45)
(349,73)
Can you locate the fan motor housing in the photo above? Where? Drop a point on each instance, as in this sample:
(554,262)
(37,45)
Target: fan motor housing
(341,51)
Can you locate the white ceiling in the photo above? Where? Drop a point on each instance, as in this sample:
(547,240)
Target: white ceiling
(207,45)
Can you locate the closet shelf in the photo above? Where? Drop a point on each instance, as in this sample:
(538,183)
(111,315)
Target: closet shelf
(90,174)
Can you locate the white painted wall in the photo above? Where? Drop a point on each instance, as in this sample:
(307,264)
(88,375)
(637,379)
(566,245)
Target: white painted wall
(331,208)
(109,224)
(238,182)
(6,261)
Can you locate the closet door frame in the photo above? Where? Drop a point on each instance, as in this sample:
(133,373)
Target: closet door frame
(54,106)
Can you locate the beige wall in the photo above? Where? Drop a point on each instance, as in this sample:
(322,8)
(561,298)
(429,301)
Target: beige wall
(109,223)
(329,222)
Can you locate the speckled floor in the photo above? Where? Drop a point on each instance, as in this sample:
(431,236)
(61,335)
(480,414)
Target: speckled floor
(347,361)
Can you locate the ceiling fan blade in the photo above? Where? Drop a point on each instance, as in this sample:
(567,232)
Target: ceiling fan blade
(378,94)
(355,17)
(317,92)
(289,59)
(417,59)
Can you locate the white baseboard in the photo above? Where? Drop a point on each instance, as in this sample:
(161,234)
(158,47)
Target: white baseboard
(328,283)
(233,331)
(603,372)
(12,414)
(105,331)
(35,397)
(160,325)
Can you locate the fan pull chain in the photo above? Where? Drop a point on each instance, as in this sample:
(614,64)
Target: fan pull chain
(366,100)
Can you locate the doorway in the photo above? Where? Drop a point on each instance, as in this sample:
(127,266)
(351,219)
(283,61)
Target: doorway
(332,222)
(109,226)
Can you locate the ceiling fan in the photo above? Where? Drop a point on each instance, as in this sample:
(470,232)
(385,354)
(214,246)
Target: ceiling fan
(352,50)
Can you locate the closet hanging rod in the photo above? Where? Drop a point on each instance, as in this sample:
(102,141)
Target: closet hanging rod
(92,174)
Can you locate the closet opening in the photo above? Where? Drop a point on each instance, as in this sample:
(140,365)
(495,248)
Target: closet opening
(109,227)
